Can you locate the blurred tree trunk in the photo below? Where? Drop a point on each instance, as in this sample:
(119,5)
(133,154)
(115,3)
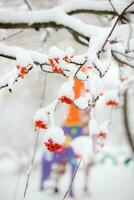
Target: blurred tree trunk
(126,120)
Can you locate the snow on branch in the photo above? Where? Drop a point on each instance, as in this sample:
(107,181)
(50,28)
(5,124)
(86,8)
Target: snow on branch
(89,67)
(96,7)
(59,17)
(54,61)
(44,16)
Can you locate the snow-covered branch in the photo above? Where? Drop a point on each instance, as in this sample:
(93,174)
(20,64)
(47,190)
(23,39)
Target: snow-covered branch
(54,61)
(59,16)
(89,67)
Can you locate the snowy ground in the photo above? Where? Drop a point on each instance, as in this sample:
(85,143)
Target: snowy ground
(107,182)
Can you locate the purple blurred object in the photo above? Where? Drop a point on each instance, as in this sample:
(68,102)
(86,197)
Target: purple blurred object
(49,158)
(73,131)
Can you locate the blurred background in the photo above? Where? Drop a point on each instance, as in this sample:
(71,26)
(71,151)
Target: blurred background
(111,171)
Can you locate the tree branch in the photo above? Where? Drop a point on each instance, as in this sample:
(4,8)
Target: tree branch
(28,4)
(36,141)
(116,22)
(70,186)
(119,58)
(117,12)
(126,122)
(49,18)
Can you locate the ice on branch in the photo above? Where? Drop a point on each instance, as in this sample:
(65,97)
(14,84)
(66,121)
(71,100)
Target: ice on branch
(54,139)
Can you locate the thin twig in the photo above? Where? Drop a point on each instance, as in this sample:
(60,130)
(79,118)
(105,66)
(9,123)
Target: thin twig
(36,141)
(119,17)
(28,4)
(122,61)
(12,35)
(70,186)
(47,34)
(125,55)
(126,122)
(16,186)
(79,68)
(113,7)
(124,18)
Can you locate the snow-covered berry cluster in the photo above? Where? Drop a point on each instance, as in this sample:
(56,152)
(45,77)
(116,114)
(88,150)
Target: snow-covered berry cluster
(88,68)
(99,132)
(22,70)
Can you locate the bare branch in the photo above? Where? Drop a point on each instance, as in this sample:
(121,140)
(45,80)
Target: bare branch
(75,75)
(114,8)
(123,18)
(70,186)
(121,60)
(12,35)
(36,140)
(126,122)
(119,18)
(28,4)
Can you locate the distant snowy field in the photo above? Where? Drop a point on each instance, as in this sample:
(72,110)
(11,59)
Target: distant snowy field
(107,182)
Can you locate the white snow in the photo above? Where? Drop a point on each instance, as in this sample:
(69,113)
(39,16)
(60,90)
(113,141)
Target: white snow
(81,102)
(67,89)
(56,134)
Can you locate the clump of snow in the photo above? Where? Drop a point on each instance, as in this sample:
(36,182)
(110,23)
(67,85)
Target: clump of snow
(99,133)
(56,134)
(111,98)
(70,51)
(67,89)
(81,103)
(23,59)
(9,79)
(86,152)
(54,139)
(54,52)
(42,115)
(94,84)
